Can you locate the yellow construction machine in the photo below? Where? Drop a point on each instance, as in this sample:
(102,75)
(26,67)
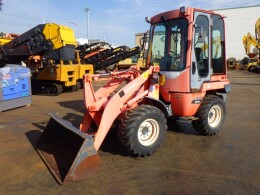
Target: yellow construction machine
(253,55)
(49,51)
(134,60)
(231,63)
(5,38)
(139,59)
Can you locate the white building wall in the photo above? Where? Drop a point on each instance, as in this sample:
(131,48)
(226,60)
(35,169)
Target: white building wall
(239,21)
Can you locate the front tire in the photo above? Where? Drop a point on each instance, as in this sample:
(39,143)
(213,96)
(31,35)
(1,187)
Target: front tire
(143,130)
(211,115)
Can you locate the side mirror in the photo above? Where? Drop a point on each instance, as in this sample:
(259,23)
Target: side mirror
(144,40)
(147,19)
(141,41)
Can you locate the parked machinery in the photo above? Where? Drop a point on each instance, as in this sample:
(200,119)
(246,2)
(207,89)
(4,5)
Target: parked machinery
(5,38)
(231,63)
(56,68)
(103,56)
(249,40)
(139,59)
(249,64)
(182,79)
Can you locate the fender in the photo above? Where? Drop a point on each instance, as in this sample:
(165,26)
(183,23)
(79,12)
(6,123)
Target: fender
(159,104)
(227,89)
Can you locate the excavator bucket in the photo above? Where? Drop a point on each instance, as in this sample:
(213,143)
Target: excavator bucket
(68,153)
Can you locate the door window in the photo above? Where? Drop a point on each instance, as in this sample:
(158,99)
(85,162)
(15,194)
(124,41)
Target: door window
(201,45)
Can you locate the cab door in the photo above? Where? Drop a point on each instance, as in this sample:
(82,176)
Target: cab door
(201,63)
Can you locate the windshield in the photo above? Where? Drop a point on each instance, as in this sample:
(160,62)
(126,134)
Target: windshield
(168,44)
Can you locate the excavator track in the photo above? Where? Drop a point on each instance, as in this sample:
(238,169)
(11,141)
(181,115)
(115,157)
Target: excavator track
(46,88)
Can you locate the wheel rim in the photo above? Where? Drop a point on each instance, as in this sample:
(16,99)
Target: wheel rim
(148,132)
(214,116)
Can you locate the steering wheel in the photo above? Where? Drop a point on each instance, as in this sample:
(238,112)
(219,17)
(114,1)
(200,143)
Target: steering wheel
(174,54)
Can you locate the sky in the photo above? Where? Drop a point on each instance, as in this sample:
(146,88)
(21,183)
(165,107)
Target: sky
(115,21)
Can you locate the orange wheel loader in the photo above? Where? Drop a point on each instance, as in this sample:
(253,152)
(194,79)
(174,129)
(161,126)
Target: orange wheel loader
(186,75)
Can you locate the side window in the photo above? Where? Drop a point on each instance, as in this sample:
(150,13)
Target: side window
(158,46)
(218,44)
(201,45)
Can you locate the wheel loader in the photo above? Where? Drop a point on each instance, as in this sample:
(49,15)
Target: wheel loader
(183,78)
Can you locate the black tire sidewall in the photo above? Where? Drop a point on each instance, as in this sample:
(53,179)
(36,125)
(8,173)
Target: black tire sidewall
(202,124)
(130,133)
(159,139)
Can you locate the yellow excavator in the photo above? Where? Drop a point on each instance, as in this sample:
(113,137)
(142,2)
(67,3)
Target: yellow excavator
(49,50)
(249,40)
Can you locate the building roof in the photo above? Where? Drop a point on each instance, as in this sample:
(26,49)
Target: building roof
(237,7)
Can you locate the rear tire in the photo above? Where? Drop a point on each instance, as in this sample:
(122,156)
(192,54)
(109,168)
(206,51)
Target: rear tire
(142,130)
(211,115)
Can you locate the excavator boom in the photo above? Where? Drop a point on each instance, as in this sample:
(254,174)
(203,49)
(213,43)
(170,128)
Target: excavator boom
(250,39)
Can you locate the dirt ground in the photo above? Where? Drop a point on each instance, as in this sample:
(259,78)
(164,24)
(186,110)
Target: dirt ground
(186,163)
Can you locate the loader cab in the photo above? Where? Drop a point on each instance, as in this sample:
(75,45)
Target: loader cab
(168,46)
(189,46)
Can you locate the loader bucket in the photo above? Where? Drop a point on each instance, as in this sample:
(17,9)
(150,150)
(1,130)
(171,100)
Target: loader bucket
(68,153)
